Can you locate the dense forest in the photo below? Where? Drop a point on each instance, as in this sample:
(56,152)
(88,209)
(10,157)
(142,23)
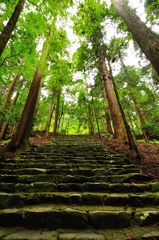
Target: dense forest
(81,66)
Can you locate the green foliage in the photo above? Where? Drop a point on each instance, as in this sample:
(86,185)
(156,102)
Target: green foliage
(152,9)
(136,94)
(89,17)
(90,25)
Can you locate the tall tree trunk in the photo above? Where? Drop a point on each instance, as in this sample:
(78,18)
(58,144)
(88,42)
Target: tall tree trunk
(147,40)
(79,125)
(130,137)
(8,97)
(137,108)
(107,115)
(51,110)
(61,115)
(96,116)
(57,113)
(67,127)
(90,120)
(118,124)
(12,129)
(141,118)
(21,137)
(5,123)
(8,29)
(62,121)
(10,93)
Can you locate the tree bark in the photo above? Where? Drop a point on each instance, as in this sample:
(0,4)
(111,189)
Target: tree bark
(10,92)
(96,116)
(5,123)
(137,108)
(130,137)
(90,120)
(61,115)
(142,120)
(107,116)
(146,39)
(119,130)
(8,97)
(8,29)
(57,113)
(51,110)
(21,137)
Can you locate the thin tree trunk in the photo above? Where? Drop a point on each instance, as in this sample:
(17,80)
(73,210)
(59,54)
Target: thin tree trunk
(79,126)
(147,40)
(118,124)
(107,115)
(96,117)
(62,121)
(51,110)
(10,93)
(8,29)
(67,127)
(90,120)
(130,137)
(138,111)
(62,112)
(57,112)
(12,129)
(141,119)
(8,97)
(5,123)
(21,137)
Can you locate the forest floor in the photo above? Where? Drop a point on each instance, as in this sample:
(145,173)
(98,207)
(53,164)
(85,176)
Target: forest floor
(149,152)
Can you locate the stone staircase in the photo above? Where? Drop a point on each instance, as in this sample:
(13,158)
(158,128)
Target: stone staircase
(73,182)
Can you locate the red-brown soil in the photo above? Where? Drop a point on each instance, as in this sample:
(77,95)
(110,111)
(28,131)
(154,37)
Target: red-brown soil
(149,152)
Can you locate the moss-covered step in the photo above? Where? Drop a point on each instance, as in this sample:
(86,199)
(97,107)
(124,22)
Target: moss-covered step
(138,233)
(131,177)
(49,178)
(55,178)
(77,187)
(21,199)
(53,217)
(69,161)
(13,164)
(82,171)
(150,236)
(62,163)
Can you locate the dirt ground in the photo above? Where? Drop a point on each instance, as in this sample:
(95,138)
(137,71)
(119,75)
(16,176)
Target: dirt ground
(149,152)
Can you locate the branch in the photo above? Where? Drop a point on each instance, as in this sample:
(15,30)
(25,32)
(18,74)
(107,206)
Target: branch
(38,7)
(14,55)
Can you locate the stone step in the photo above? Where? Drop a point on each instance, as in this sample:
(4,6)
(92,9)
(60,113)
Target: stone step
(73,182)
(77,187)
(55,178)
(51,217)
(12,164)
(69,161)
(137,233)
(9,200)
(64,155)
(71,171)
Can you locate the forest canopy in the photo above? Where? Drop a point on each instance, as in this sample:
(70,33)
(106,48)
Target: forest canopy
(79,66)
